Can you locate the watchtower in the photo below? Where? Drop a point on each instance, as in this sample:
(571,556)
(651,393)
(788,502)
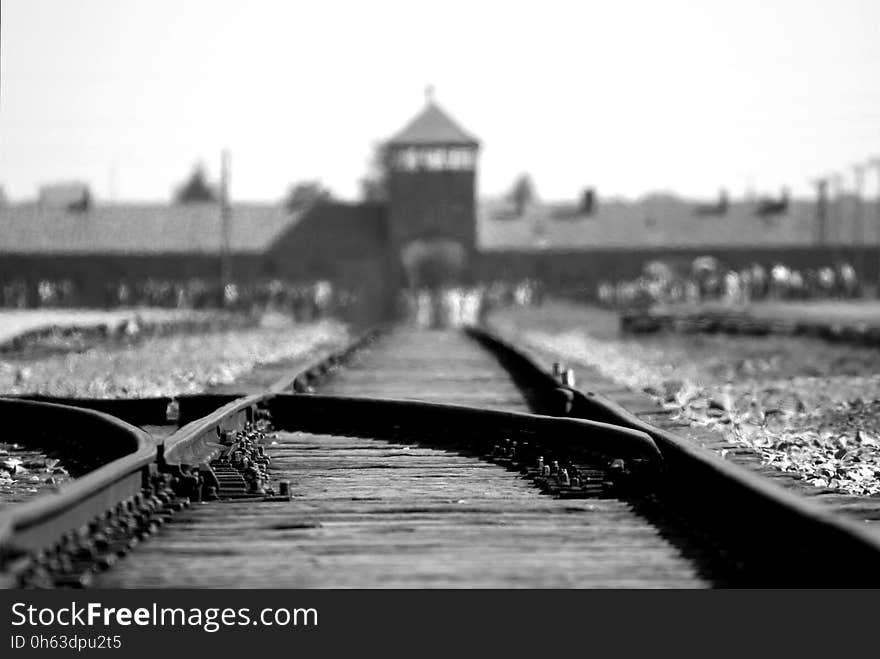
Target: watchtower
(431,177)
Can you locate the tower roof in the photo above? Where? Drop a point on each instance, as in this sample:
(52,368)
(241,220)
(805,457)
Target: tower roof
(433,126)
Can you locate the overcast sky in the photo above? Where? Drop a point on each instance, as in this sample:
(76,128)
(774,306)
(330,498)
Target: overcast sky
(629,96)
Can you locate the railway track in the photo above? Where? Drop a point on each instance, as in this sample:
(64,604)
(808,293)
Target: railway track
(411,459)
(716,321)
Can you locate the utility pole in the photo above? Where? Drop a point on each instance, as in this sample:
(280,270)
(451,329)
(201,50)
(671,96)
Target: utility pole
(837,216)
(875,163)
(821,185)
(225,224)
(859,219)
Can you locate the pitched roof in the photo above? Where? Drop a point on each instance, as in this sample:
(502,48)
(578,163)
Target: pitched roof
(31,228)
(433,126)
(653,221)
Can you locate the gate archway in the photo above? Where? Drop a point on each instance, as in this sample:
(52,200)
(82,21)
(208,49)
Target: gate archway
(433,263)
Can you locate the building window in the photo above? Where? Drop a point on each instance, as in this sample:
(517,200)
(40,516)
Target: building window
(407,159)
(434,159)
(462,158)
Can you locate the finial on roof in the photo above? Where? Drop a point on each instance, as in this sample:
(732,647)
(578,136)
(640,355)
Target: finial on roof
(432,126)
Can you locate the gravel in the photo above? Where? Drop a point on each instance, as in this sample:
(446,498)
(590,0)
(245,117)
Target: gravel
(15,323)
(155,366)
(27,472)
(805,406)
(168,365)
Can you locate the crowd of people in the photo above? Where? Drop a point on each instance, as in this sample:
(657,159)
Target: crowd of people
(707,279)
(454,306)
(301,300)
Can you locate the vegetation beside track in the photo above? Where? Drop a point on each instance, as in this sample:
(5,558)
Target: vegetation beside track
(168,365)
(25,333)
(805,406)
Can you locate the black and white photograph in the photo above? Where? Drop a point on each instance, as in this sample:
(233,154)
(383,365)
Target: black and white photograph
(438,296)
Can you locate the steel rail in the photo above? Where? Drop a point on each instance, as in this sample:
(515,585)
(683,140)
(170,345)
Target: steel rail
(321,368)
(200,438)
(714,496)
(150,411)
(153,410)
(36,523)
(747,323)
(737,503)
(445,423)
(39,524)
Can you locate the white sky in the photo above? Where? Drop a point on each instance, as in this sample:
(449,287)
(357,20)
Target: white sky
(630,96)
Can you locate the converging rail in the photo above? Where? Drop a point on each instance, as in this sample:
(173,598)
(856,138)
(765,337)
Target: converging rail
(96,439)
(411,458)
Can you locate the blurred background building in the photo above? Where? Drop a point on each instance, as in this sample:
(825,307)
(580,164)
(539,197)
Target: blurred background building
(421,225)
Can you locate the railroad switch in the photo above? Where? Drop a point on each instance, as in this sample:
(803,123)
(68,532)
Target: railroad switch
(241,471)
(558,475)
